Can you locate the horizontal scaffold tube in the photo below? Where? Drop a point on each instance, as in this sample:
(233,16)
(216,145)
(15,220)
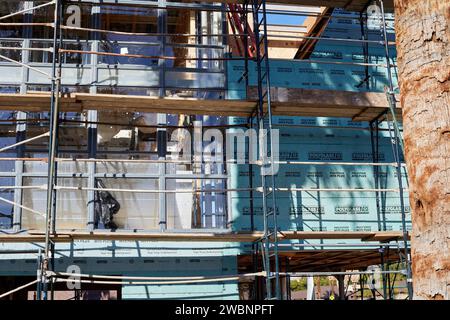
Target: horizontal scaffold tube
(24,159)
(331,273)
(41,187)
(133,278)
(129,55)
(155,34)
(258,189)
(231,161)
(148,280)
(27,24)
(219,35)
(152,190)
(141,56)
(142,282)
(336,163)
(27,49)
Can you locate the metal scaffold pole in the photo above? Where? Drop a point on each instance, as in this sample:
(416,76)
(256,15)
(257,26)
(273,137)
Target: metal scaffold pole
(51,178)
(398,146)
(374,139)
(269,241)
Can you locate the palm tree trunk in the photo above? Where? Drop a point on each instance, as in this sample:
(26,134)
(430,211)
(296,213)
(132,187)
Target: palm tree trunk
(423,33)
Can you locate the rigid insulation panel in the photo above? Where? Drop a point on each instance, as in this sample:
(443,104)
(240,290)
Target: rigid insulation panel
(325,140)
(138,258)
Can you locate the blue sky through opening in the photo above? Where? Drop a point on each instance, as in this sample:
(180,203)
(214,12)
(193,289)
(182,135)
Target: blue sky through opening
(285,19)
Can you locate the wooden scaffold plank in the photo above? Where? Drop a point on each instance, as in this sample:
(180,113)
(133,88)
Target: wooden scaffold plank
(287,102)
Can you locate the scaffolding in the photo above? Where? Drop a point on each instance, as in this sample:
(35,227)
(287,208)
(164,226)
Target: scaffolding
(254,46)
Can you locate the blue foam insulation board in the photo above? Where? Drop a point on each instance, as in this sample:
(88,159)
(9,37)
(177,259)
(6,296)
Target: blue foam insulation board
(317,139)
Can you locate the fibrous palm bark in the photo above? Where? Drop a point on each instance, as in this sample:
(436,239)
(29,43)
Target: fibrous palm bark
(422,31)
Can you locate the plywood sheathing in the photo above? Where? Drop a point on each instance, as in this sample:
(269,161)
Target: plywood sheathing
(423,46)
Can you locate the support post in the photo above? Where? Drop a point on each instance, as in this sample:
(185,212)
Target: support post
(21,118)
(310,288)
(383,275)
(341,286)
(91,168)
(19,166)
(39,276)
(361,285)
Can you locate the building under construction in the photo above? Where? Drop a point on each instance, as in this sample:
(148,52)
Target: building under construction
(200,150)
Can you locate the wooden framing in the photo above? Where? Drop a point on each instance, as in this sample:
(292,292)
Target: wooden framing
(316,26)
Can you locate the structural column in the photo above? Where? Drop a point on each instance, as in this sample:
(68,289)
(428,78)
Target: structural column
(21,118)
(341,286)
(310,289)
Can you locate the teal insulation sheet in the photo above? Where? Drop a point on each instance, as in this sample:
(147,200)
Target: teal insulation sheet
(326,140)
(137,258)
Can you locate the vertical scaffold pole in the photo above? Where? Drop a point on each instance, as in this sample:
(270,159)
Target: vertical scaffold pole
(269,241)
(54,115)
(161,131)
(39,276)
(374,138)
(245,78)
(398,147)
